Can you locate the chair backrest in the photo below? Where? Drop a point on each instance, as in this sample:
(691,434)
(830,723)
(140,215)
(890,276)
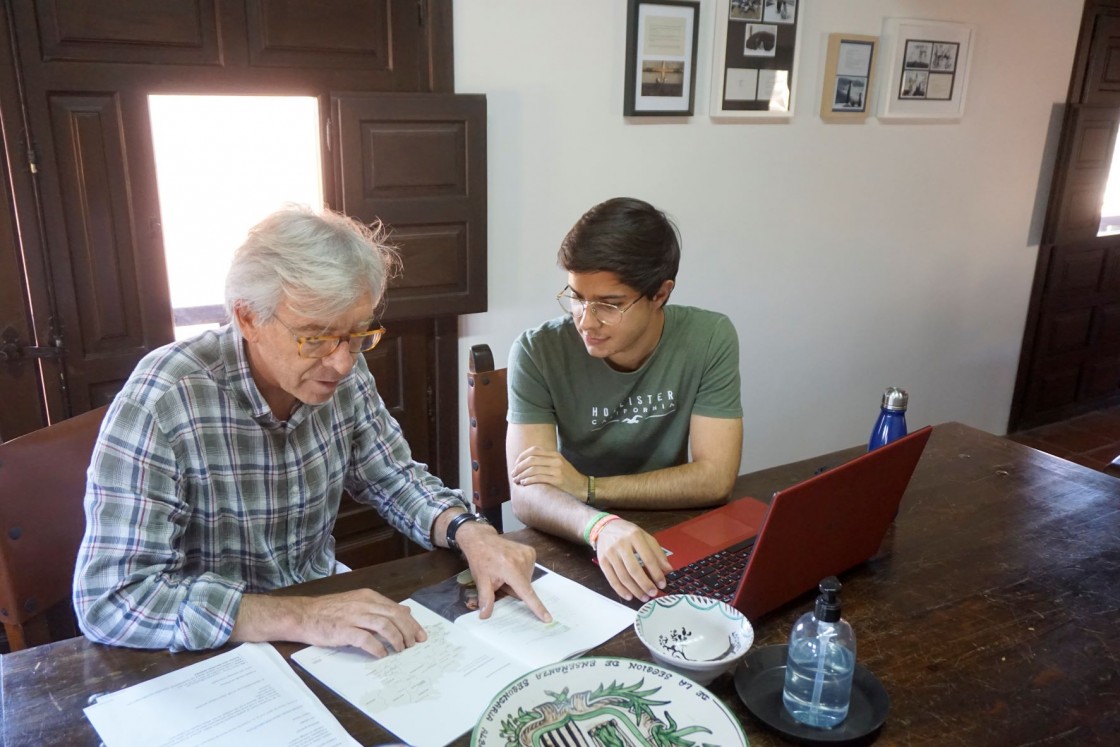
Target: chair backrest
(42,485)
(486,406)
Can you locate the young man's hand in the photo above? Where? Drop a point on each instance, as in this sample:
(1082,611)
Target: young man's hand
(539,466)
(632,560)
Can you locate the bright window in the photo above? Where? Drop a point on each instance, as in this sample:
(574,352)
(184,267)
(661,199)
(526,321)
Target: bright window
(222,164)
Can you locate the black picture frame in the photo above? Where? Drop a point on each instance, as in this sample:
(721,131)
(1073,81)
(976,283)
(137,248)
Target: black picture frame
(661,40)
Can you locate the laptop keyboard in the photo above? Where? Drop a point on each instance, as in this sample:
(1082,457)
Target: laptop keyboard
(716,576)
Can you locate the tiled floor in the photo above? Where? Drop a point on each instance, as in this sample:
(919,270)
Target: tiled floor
(1092,440)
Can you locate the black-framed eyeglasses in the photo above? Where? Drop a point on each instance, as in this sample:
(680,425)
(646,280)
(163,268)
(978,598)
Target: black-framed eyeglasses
(320,346)
(606,313)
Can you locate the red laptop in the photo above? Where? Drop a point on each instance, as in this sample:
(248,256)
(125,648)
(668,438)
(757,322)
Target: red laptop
(757,557)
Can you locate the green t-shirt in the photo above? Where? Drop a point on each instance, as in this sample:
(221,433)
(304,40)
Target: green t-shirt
(611,422)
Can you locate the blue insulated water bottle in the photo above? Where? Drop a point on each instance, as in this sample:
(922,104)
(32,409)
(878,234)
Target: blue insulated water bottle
(892,418)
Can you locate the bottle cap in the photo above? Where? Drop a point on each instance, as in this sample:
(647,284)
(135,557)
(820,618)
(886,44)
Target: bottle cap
(827,608)
(895,398)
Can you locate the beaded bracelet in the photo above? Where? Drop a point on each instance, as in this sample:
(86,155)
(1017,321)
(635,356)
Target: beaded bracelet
(591,525)
(594,542)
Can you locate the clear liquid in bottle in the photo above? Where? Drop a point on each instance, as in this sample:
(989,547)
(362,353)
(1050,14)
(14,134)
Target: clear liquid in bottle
(828,706)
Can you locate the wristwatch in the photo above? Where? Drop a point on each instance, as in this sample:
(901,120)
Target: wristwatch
(458,521)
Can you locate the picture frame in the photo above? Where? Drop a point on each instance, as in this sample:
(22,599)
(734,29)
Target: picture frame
(754,59)
(927,67)
(849,78)
(661,40)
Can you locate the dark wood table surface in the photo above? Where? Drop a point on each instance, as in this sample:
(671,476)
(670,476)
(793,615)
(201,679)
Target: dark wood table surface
(989,614)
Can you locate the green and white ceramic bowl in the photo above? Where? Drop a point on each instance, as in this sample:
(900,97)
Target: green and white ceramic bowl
(697,636)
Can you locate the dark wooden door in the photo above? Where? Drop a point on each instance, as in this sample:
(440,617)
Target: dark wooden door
(76,114)
(1070,360)
(79,225)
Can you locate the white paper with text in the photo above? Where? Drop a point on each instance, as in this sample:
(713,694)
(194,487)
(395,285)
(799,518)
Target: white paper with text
(248,695)
(464,664)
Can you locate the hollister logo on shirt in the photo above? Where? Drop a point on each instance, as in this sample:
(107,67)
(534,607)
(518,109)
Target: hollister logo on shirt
(634,409)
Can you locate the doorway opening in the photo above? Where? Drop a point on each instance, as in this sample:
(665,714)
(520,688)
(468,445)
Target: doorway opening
(1110,205)
(222,164)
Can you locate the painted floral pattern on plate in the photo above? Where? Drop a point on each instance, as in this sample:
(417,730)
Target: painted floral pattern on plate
(604,702)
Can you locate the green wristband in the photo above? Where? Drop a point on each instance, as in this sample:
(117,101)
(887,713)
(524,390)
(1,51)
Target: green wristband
(591,525)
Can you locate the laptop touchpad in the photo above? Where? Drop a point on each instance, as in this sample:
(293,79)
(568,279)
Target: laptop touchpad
(718,530)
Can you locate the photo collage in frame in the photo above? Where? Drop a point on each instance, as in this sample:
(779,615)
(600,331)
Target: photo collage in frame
(928,64)
(758,59)
(853,76)
(929,70)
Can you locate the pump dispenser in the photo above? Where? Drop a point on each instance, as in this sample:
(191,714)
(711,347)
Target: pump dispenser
(821,661)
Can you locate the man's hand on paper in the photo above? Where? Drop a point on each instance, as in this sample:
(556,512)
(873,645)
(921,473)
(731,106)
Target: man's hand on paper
(632,560)
(540,466)
(361,618)
(496,562)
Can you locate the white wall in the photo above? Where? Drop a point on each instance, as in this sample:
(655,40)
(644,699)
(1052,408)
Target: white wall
(850,257)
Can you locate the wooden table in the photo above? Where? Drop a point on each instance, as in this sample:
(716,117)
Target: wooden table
(990,613)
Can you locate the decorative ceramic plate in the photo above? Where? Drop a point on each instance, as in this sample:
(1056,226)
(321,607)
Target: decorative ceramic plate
(604,702)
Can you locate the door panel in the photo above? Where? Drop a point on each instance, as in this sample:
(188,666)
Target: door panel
(19,375)
(105,335)
(418,163)
(1075,329)
(336,34)
(138,31)
(1102,79)
(1084,160)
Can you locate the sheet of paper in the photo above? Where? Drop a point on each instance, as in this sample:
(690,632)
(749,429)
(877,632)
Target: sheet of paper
(427,695)
(581,619)
(466,660)
(248,695)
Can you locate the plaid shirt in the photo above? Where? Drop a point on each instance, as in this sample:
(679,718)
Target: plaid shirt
(197,494)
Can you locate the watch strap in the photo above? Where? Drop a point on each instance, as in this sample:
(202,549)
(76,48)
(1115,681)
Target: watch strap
(457,522)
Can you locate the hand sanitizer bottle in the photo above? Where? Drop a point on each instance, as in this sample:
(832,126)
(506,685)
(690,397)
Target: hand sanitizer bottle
(822,658)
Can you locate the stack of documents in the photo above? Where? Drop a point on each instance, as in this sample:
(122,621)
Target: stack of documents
(245,696)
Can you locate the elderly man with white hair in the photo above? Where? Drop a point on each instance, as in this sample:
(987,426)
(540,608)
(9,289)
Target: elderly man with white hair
(219,467)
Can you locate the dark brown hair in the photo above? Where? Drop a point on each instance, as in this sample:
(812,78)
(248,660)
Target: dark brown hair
(626,236)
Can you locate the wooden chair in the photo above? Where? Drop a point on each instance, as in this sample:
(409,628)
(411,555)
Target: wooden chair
(42,484)
(486,405)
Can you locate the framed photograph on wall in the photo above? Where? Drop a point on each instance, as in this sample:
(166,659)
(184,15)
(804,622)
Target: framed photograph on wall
(661,57)
(754,55)
(849,75)
(926,74)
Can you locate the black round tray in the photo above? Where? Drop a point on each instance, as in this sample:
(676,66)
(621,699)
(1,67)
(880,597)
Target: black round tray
(759,681)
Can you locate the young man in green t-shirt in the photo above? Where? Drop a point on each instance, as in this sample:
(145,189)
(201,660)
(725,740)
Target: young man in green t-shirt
(607,402)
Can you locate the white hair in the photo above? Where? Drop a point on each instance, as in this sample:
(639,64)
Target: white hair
(321,263)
